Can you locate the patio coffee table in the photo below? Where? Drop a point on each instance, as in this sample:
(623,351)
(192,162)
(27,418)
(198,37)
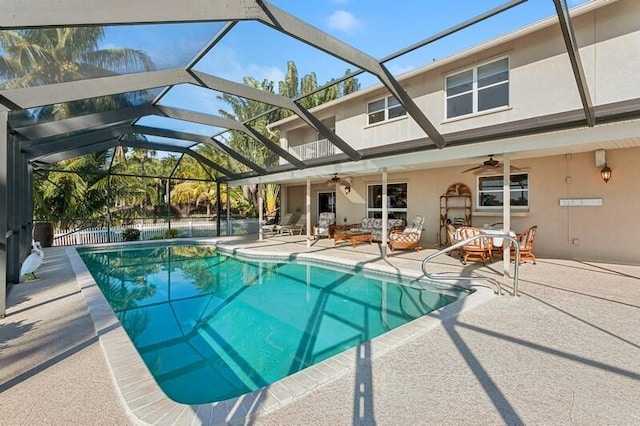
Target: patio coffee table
(353,237)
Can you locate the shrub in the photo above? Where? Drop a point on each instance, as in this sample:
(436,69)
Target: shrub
(131,234)
(171,233)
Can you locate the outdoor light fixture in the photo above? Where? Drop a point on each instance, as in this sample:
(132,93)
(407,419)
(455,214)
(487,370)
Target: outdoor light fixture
(605,173)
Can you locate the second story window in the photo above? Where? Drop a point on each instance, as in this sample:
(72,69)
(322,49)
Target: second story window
(384,109)
(478,89)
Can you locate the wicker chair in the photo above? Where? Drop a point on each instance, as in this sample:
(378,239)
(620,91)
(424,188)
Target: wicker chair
(478,249)
(409,237)
(525,239)
(451,239)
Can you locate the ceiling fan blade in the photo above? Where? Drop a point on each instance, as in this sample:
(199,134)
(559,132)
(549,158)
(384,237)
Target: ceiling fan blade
(496,170)
(483,171)
(472,169)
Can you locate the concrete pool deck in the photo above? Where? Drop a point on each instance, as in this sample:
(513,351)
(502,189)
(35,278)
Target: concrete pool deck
(566,351)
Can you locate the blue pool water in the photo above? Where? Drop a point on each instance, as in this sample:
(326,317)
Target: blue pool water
(210,326)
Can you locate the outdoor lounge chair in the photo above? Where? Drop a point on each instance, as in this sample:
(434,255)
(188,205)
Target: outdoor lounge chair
(295,225)
(409,237)
(274,229)
(325,221)
(478,249)
(525,239)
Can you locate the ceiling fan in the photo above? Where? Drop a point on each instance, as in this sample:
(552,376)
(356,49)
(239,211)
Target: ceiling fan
(336,180)
(490,165)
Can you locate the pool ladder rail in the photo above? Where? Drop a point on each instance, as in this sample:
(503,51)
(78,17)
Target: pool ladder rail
(459,244)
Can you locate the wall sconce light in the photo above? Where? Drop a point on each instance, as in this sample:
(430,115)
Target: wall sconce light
(347,189)
(605,173)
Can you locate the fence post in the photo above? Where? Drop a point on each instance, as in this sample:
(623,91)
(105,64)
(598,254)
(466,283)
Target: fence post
(78,238)
(190,229)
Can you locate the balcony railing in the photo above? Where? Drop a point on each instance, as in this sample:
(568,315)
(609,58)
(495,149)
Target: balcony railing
(316,149)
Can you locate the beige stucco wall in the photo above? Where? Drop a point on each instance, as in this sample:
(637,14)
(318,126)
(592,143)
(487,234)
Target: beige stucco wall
(541,80)
(607,233)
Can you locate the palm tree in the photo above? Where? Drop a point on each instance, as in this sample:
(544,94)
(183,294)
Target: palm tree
(35,57)
(245,109)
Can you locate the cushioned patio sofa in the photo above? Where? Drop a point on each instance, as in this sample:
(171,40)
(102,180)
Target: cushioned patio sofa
(374,226)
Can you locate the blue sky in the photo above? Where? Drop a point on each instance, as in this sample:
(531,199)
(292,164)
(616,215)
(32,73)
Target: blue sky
(377,27)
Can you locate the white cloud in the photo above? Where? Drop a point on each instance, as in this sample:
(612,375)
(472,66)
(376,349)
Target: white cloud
(261,72)
(344,21)
(223,62)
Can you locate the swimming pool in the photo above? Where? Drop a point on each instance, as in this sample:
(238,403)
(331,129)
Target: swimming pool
(211,326)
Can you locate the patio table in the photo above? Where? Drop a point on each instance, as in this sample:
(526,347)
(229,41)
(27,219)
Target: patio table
(497,242)
(353,237)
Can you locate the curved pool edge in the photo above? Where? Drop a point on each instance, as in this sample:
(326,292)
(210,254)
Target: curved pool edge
(146,403)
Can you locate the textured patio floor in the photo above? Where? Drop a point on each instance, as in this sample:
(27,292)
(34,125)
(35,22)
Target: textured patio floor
(567,351)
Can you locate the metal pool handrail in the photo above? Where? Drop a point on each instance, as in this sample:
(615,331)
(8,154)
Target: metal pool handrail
(477,277)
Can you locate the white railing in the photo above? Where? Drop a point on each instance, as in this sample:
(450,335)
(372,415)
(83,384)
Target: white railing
(316,149)
(152,231)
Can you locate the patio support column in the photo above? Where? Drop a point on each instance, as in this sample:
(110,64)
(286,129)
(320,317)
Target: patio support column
(218,209)
(385,213)
(4,210)
(283,200)
(26,207)
(15,191)
(168,195)
(228,211)
(308,211)
(260,206)
(108,214)
(506,212)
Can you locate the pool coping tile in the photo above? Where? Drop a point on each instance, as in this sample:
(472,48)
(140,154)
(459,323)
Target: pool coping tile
(145,402)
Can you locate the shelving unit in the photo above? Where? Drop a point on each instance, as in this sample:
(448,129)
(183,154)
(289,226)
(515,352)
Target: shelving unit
(456,207)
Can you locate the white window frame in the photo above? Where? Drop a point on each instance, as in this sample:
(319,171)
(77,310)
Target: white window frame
(474,89)
(389,209)
(385,109)
(479,192)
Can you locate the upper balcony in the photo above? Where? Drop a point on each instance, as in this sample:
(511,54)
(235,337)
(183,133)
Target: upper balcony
(316,149)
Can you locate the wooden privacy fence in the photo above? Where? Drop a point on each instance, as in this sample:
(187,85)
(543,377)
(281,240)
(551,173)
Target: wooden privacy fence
(153,231)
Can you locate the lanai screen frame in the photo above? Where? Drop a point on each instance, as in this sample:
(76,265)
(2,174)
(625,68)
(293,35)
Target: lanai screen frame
(24,149)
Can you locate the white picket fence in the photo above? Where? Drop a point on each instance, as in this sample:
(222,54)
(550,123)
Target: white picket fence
(151,231)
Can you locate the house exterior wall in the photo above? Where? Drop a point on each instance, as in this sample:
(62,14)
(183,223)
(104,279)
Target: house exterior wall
(541,83)
(605,233)
(541,80)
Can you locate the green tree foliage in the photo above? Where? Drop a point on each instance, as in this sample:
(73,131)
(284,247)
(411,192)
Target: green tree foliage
(244,109)
(35,57)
